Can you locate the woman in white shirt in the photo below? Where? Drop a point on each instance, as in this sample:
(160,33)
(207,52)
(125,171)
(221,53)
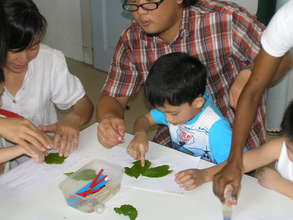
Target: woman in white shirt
(37,78)
(19,130)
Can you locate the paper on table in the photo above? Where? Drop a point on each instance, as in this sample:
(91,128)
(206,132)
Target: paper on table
(177,161)
(240,214)
(30,177)
(257,216)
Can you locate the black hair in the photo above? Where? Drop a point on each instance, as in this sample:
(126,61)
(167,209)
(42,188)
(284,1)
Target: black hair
(175,78)
(3,45)
(188,3)
(24,23)
(287,122)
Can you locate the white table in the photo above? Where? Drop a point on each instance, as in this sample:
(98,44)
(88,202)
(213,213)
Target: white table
(199,204)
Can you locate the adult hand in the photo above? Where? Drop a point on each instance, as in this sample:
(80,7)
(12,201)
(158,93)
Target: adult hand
(66,136)
(138,147)
(23,132)
(191,178)
(268,178)
(36,155)
(237,87)
(111,131)
(230,174)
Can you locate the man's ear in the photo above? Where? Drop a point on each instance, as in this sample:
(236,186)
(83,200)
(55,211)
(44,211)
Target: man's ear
(179,2)
(198,102)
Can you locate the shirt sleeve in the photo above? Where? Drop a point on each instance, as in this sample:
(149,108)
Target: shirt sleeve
(246,36)
(66,88)
(277,39)
(123,78)
(158,117)
(220,140)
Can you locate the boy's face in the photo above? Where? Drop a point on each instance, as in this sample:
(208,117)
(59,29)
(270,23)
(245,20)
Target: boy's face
(164,21)
(17,62)
(183,113)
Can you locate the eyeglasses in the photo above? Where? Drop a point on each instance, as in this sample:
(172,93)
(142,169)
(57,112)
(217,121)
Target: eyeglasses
(149,6)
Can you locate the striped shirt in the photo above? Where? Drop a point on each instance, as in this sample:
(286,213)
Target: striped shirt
(222,35)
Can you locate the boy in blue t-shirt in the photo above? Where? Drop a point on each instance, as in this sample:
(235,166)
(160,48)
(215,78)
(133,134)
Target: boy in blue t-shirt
(176,87)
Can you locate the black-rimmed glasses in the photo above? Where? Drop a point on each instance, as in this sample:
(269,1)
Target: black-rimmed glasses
(146,6)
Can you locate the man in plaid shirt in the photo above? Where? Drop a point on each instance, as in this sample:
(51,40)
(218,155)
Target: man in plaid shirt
(222,35)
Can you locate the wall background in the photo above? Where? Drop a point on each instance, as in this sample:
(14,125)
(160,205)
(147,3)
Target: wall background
(64,25)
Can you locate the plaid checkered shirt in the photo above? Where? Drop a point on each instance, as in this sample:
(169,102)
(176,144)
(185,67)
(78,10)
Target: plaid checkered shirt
(222,35)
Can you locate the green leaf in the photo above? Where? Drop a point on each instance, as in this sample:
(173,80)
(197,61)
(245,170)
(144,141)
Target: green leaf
(137,169)
(147,165)
(54,158)
(156,172)
(87,174)
(131,172)
(127,210)
(69,173)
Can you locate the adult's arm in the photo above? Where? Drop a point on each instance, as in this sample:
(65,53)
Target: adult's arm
(23,132)
(67,130)
(110,115)
(262,75)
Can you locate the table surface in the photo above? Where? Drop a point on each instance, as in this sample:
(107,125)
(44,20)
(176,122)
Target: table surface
(200,203)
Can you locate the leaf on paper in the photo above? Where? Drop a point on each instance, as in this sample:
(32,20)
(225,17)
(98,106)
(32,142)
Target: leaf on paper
(54,158)
(155,172)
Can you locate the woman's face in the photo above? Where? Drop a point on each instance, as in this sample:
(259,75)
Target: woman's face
(17,62)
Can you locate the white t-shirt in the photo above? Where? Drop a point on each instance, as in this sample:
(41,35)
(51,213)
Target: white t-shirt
(277,38)
(284,164)
(48,82)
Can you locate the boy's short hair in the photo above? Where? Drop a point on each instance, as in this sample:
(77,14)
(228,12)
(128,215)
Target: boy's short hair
(287,122)
(175,78)
(24,23)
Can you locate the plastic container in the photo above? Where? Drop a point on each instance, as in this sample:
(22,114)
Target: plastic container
(96,201)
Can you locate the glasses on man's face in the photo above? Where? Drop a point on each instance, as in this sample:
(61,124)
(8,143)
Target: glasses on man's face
(146,6)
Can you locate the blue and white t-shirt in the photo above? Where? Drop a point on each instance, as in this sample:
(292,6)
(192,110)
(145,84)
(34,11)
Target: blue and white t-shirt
(208,135)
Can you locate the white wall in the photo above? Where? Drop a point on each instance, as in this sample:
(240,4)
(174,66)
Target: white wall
(64,26)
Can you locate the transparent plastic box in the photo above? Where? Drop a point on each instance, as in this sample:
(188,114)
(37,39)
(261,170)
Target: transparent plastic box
(96,201)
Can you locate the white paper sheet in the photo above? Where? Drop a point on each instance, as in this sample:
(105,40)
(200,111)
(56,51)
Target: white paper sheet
(167,184)
(30,177)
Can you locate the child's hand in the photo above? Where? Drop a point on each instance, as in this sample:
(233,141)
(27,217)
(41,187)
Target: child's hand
(191,178)
(138,147)
(66,136)
(268,178)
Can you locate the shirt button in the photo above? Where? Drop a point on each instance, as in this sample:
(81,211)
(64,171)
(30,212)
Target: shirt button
(14,101)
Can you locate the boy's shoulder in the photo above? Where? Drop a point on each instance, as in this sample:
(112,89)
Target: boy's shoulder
(211,112)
